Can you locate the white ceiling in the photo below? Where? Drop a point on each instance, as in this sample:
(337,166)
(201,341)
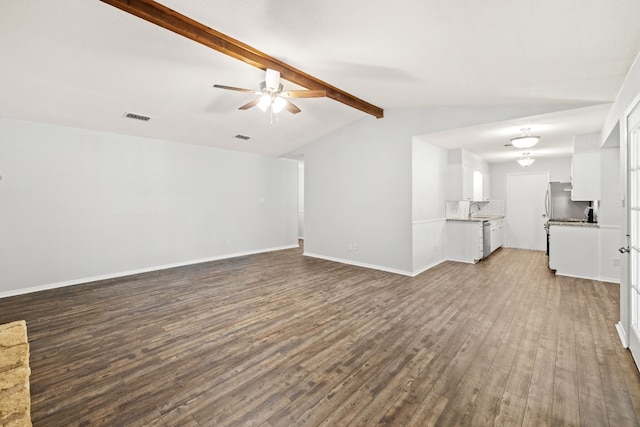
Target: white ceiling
(556,131)
(84,63)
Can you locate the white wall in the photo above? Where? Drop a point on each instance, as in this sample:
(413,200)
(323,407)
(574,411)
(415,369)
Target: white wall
(586,143)
(615,125)
(610,214)
(358,197)
(559,169)
(429,182)
(79,205)
(627,97)
(358,184)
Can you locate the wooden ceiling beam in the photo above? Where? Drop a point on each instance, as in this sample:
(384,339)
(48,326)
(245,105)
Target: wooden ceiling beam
(171,20)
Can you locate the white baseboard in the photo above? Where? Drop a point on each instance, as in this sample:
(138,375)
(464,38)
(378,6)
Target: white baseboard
(464,261)
(359,264)
(48,286)
(622,334)
(599,279)
(558,273)
(373,266)
(430,266)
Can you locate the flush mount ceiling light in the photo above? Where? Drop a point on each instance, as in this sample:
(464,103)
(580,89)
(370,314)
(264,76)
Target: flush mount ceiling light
(525,160)
(525,140)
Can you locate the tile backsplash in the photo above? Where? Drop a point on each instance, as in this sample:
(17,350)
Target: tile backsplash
(460,208)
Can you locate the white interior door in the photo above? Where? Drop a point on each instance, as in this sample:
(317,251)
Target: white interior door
(525,208)
(633,215)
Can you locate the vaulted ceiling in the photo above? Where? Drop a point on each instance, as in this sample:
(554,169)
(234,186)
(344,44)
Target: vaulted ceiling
(84,63)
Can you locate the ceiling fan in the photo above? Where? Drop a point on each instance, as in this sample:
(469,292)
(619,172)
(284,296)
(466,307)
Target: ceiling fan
(272,96)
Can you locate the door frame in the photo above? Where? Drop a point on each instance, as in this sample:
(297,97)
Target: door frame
(629,338)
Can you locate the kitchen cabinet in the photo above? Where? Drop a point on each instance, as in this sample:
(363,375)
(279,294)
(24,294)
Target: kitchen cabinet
(464,241)
(466,177)
(486,187)
(574,250)
(459,182)
(497,233)
(465,183)
(585,177)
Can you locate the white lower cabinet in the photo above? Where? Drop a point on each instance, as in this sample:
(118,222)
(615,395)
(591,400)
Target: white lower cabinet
(574,251)
(497,233)
(464,241)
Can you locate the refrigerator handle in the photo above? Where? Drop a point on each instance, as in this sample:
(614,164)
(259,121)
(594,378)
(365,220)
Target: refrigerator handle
(546,204)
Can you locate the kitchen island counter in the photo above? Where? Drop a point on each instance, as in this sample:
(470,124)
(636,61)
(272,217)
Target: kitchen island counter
(574,249)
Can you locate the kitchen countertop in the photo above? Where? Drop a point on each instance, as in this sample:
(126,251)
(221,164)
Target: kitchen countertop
(477,218)
(574,223)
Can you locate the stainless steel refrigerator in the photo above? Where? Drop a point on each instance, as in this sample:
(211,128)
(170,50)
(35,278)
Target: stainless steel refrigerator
(559,205)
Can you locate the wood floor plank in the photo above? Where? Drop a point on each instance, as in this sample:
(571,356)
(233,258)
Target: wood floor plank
(566,356)
(593,411)
(486,407)
(511,410)
(429,411)
(566,409)
(279,339)
(540,398)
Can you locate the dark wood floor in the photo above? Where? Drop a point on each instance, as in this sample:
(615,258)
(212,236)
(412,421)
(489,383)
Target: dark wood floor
(279,339)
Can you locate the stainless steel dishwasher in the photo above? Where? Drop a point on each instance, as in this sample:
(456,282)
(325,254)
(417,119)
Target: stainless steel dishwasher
(486,239)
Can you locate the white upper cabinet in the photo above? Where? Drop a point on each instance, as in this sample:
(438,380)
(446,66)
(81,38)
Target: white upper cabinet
(460,182)
(486,187)
(466,177)
(585,177)
(478,188)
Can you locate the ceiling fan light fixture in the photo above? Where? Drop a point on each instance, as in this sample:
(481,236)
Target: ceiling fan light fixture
(278,104)
(525,140)
(265,102)
(272,97)
(526,161)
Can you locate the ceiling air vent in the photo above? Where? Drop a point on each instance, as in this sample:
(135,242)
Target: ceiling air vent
(240,136)
(137,116)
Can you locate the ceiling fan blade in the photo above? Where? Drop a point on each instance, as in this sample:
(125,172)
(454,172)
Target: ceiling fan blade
(239,89)
(292,108)
(304,94)
(249,104)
